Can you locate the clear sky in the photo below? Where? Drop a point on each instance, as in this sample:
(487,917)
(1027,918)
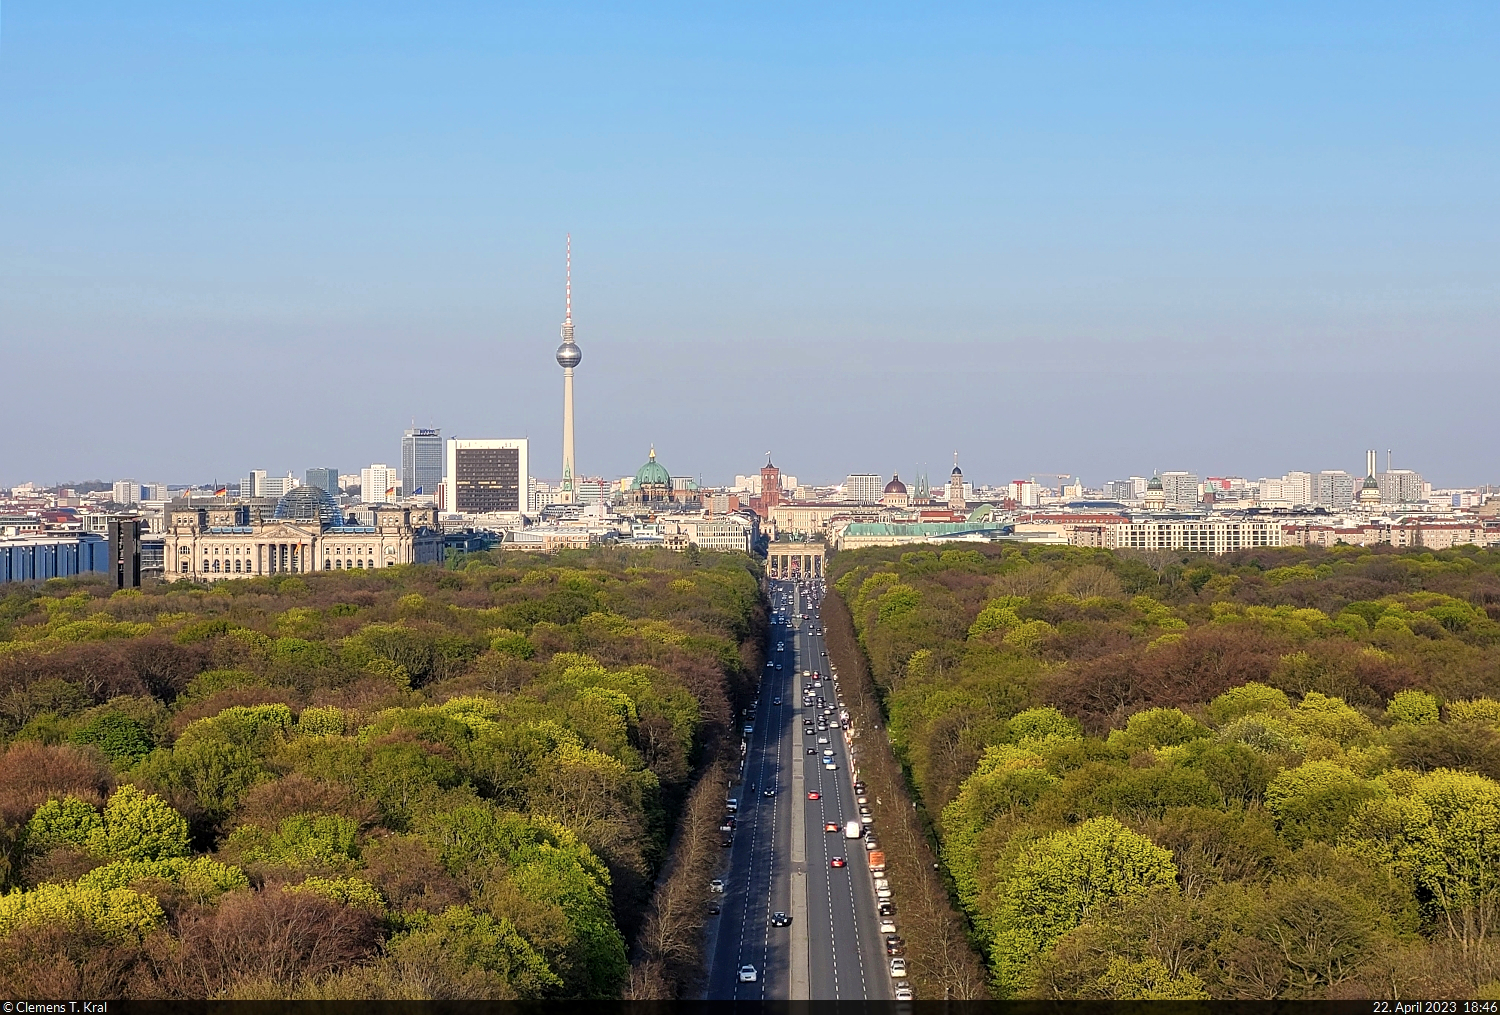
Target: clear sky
(1066,237)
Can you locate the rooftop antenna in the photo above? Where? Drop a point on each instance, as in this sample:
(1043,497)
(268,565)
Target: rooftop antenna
(568,286)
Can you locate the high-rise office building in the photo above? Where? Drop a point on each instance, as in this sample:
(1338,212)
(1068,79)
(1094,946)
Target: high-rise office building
(1180,488)
(127,491)
(378,484)
(253,485)
(326,480)
(1399,486)
(863,487)
(486,476)
(277,486)
(1336,490)
(568,357)
(421,463)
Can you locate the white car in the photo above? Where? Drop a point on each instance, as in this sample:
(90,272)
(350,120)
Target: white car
(716,886)
(747,974)
(903,993)
(887,925)
(822,740)
(898,968)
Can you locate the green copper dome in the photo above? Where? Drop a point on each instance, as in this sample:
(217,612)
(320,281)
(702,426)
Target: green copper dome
(652,473)
(1154,484)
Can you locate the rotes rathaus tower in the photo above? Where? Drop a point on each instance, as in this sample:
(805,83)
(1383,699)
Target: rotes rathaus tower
(568,357)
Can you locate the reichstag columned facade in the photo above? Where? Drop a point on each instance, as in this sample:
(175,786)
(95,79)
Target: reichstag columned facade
(307,532)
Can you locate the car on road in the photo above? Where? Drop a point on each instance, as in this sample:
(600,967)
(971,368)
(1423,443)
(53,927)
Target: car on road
(859,787)
(898,967)
(825,655)
(768,792)
(747,974)
(822,740)
(867,819)
(830,766)
(812,750)
(813,794)
(769,664)
(776,701)
(778,666)
(716,885)
(887,925)
(780,920)
(894,945)
(903,994)
(887,909)
(837,861)
(830,826)
(828,752)
(862,808)
(870,844)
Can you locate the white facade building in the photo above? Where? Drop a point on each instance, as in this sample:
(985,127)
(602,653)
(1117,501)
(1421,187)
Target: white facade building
(379,484)
(1193,535)
(1180,488)
(863,487)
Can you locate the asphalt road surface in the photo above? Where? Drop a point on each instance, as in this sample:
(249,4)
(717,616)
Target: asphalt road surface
(834,949)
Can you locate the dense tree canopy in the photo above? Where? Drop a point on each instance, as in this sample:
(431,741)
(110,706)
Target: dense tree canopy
(1265,775)
(410,783)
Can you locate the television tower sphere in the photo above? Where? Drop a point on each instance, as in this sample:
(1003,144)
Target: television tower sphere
(569,355)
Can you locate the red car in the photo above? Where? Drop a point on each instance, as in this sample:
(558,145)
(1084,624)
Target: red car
(830,826)
(837,861)
(813,794)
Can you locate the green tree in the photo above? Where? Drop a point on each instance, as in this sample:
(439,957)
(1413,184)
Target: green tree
(120,738)
(139,826)
(1315,800)
(66,822)
(1412,708)
(473,955)
(1057,881)
(1442,831)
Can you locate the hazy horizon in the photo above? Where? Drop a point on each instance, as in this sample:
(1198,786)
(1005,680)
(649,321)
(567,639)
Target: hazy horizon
(1082,240)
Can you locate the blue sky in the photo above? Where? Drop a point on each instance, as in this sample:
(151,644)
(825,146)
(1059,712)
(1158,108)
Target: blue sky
(1090,238)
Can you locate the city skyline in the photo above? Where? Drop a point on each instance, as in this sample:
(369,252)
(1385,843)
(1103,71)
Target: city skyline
(1206,240)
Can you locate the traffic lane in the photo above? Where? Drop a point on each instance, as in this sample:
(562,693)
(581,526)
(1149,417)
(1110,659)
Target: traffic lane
(744,935)
(776,966)
(854,928)
(824,970)
(843,927)
(774,962)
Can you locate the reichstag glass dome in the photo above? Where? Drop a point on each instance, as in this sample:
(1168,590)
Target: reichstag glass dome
(309,504)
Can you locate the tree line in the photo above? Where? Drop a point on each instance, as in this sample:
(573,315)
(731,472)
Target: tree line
(409,783)
(1271,774)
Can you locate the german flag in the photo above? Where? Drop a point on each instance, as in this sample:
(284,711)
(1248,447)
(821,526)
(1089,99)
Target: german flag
(221,491)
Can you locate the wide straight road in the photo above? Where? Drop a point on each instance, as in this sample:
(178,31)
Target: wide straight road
(781,860)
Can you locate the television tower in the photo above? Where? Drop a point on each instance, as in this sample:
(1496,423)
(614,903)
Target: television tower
(568,357)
